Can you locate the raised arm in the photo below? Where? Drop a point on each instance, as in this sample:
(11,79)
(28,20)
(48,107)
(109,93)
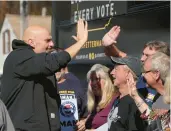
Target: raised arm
(112,50)
(109,41)
(81,38)
(46,63)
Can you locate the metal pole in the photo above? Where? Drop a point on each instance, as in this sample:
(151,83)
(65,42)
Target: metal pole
(23,16)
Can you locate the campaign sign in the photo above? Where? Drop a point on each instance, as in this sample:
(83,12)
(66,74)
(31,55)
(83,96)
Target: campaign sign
(68,114)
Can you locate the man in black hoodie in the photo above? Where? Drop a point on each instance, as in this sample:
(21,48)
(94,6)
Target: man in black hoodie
(29,87)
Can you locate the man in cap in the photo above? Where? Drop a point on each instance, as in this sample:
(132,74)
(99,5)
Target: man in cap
(109,41)
(124,114)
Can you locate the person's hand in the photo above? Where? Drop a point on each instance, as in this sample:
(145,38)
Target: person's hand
(81,125)
(111,36)
(82,31)
(90,130)
(132,85)
(160,112)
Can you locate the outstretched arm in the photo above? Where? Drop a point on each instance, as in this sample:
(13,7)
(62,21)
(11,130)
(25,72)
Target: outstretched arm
(109,41)
(112,50)
(32,64)
(81,38)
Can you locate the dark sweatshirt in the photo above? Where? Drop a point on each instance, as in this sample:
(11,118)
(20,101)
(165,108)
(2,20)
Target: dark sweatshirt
(125,116)
(29,87)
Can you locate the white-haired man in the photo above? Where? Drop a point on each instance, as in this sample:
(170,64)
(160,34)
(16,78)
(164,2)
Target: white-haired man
(155,73)
(109,41)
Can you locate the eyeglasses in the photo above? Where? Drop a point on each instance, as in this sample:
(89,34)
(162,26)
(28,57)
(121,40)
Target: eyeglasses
(145,72)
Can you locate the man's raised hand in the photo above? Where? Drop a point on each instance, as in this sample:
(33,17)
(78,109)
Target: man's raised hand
(111,36)
(82,31)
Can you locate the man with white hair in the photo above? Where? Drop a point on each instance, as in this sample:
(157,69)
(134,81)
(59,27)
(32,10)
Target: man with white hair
(155,73)
(156,68)
(150,48)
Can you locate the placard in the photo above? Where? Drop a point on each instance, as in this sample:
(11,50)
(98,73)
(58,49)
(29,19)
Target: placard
(68,114)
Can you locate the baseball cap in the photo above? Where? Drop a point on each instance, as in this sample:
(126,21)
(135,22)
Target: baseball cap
(133,63)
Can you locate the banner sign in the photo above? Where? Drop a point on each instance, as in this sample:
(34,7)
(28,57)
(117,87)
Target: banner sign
(91,10)
(92,51)
(132,38)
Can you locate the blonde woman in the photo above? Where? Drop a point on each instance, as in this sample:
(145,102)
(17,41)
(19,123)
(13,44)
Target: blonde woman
(101,94)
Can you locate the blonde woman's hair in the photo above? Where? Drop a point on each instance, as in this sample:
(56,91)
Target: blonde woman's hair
(107,91)
(166,96)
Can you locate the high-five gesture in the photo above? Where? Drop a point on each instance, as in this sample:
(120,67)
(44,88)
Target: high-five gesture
(111,36)
(81,38)
(82,31)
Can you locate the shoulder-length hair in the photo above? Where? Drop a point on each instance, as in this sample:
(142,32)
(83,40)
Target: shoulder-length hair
(108,90)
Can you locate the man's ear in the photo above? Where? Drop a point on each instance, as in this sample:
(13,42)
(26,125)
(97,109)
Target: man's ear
(31,43)
(157,75)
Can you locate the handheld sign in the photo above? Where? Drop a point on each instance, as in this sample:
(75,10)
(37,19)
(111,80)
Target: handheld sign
(68,114)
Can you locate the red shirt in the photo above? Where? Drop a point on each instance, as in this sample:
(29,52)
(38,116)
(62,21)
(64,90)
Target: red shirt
(96,119)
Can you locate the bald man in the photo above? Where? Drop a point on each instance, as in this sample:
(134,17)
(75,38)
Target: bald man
(29,87)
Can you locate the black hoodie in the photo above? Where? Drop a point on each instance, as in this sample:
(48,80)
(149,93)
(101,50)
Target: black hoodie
(29,87)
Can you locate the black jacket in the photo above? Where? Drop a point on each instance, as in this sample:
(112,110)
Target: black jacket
(29,87)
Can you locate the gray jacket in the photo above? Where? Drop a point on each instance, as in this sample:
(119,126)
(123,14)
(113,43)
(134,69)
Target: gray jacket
(5,120)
